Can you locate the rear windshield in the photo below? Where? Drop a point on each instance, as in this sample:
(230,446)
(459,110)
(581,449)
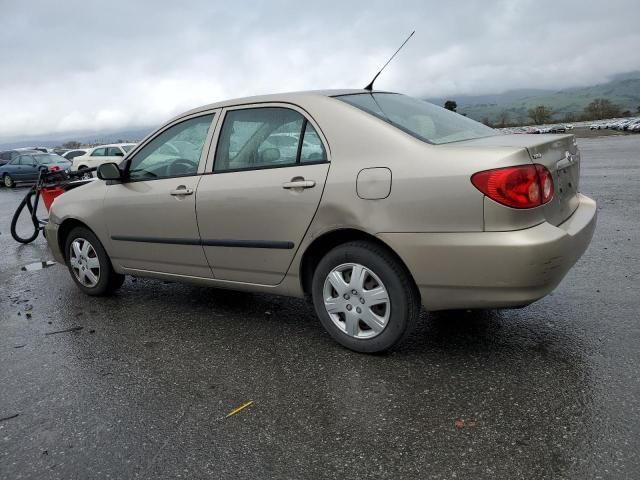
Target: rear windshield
(48,159)
(421,119)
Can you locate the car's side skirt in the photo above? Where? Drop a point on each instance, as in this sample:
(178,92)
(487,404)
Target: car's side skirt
(271,244)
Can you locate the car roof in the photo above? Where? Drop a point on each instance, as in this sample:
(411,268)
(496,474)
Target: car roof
(286,97)
(108,145)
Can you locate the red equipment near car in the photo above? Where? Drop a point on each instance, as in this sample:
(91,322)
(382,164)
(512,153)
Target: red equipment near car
(51,183)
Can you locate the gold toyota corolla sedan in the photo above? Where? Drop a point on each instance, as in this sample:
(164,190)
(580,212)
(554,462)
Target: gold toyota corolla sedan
(372,204)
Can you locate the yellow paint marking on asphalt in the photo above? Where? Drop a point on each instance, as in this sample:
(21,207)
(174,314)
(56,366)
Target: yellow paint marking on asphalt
(239,409)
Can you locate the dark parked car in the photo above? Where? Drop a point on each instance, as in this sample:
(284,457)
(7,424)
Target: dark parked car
(8,155)
(26,166)
(558,129)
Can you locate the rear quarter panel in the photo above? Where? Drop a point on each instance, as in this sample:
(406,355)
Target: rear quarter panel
(431,188)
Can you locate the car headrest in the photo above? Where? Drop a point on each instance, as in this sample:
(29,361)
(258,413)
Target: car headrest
(270,155)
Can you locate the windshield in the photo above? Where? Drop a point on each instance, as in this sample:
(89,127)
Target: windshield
(126,148)
(421,119)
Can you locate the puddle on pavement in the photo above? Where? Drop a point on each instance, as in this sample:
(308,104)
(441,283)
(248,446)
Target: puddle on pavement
(37,266)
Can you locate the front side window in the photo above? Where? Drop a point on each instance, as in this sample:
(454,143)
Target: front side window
(265,138)
(418,118)
(174,153)
(99,152)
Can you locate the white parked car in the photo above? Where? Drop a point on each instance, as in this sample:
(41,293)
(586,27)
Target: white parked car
(102,154)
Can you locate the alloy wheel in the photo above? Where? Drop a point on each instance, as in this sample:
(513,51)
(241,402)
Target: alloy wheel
(84,262)
(356,300)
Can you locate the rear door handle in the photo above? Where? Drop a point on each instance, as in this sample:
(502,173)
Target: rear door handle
(299,184)
(181,190)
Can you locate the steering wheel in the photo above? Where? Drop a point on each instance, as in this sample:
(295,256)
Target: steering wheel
(181,166)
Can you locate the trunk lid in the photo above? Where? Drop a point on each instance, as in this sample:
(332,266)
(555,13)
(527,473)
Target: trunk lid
(560,155)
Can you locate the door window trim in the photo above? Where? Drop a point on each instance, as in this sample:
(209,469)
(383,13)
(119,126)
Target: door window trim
(203,155)
(209,167)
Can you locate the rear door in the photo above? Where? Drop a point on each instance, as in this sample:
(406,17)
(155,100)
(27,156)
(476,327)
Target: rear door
(267,177)
(151,215)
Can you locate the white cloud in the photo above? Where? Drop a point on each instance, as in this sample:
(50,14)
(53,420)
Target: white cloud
(100,66)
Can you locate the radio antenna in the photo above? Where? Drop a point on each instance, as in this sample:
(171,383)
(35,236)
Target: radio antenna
(370,86)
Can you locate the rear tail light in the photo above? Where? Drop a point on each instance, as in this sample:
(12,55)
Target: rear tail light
(522,186)
(54,168)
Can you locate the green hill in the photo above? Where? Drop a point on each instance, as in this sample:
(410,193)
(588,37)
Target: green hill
(623,90)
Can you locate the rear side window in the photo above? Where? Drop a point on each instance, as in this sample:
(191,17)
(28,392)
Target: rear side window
(74,154)
(114,152)
(99,152)
(423,120)
(266,137)
(26,160)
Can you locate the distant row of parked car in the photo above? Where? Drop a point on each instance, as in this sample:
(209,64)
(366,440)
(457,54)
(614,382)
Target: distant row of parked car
(625,124)
(23,165)
(540,129)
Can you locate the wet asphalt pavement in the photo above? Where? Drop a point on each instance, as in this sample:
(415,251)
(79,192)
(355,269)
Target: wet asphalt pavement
(142,389)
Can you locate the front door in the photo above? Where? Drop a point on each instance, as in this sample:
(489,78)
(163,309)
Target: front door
(269,172)
(151,215)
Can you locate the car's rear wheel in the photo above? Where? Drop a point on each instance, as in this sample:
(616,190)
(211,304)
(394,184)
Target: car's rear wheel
(89,263)
(364,297)
(8,181)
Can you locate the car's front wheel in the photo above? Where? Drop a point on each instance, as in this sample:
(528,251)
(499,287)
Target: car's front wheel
(8,181)
(89,263)
(364,297)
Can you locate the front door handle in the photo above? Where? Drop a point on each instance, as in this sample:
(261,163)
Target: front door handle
(299,184)
(181,190)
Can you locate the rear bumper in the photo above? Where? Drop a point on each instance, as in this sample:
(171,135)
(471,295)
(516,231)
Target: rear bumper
(494,269)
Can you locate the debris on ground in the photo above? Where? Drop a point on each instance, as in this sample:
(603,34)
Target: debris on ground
(9,417)
(239,409)
(72,329)
(461,423)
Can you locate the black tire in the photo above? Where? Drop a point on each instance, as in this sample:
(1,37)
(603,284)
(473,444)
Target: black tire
(7,181)
(109,281)
(402,293)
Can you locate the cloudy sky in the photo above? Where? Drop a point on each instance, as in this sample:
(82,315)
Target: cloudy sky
(69,66)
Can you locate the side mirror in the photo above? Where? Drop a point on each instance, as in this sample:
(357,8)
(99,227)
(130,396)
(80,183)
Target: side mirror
(109,171)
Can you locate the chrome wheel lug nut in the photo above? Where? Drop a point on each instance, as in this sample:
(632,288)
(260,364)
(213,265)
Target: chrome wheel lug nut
(354,292)
(346,296)
(359,310)
(362,300)
(349,307)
